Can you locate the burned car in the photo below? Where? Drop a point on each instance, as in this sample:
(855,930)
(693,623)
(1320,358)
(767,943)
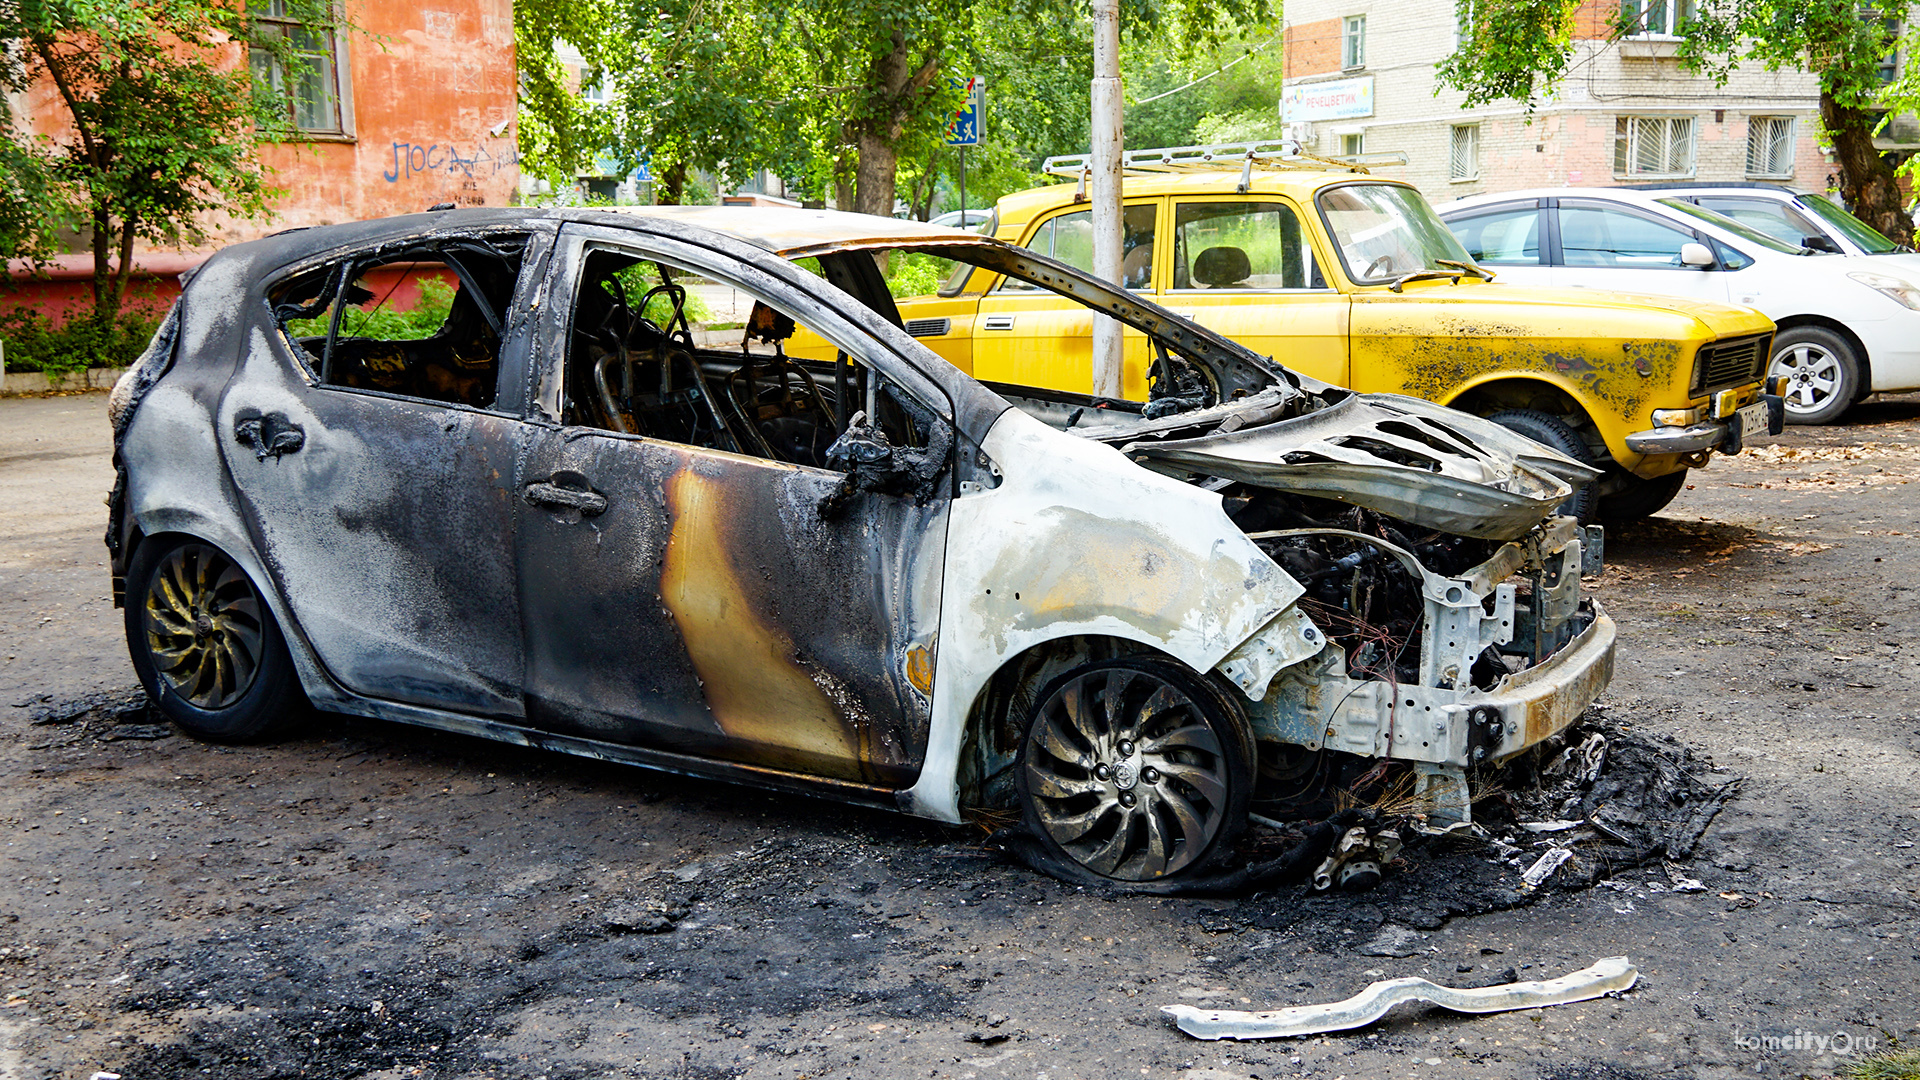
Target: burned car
(567,517)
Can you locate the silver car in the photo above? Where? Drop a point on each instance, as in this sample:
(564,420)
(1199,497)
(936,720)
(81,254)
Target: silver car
(590,504)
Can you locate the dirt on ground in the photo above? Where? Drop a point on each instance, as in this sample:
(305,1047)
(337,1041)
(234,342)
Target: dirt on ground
(370,900)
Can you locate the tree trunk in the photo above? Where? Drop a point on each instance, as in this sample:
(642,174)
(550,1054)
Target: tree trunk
(874,177)
(117,288)
(842,178)
(102,262)
(892,85)
(672,186)
(1867,183)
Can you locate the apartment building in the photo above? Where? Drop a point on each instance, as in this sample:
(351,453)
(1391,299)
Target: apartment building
(412,107)
(1360,80)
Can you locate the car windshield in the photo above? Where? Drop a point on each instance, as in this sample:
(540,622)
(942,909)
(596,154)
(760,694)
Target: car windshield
(1870,239)
(1721,221)
(1385,231)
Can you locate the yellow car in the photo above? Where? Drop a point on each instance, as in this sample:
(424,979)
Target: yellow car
(1352,279)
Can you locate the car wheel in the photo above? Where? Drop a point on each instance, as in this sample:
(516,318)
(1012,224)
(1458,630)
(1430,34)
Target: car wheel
(205,644)
(1641,498)
(1550,430)
(1135,769)
(1823,372)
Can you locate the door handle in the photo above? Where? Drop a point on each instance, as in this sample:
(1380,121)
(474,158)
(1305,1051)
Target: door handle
(999,322)
(588,502)
(269,436)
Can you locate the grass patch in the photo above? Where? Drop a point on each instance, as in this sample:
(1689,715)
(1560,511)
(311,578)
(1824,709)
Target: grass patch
(1892,1065)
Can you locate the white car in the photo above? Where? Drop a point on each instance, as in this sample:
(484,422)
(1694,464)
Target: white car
(1849,324)
(1802,218)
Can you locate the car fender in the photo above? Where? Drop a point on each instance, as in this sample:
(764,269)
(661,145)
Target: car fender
(184,490)
(1078,540)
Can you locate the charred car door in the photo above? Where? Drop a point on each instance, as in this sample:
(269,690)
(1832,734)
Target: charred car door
(373,447)
(726,552)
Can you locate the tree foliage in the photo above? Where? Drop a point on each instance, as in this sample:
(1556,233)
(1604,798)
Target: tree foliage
(161,118)
(1521,49)
(848,100)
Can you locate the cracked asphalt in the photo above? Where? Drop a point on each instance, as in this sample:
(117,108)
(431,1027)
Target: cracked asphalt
(367,900)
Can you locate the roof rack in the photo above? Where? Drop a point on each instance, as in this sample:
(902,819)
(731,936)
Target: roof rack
(1281,155)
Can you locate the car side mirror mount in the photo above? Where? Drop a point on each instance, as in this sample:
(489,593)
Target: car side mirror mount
(872,463)
(1820,243)
(1696,255)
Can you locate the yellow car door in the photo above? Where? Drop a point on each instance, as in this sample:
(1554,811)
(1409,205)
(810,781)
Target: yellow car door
(1029,337)
(1244,267)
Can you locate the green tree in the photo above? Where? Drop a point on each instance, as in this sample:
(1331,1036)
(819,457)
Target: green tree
(843,98)
(560,134)
(163,120)
(1521,49)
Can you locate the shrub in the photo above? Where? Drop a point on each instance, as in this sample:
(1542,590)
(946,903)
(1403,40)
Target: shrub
(383,323)
(912,273)
(34,343)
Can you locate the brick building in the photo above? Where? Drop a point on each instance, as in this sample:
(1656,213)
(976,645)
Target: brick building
(1360,80)
(413,107)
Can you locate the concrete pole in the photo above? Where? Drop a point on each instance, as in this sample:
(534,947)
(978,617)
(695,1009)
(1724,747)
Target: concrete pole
(1104,187)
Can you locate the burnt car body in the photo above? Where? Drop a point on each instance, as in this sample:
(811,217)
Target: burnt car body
(569,520)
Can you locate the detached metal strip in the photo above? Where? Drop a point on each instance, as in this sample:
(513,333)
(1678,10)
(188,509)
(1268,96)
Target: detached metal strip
(1609,975)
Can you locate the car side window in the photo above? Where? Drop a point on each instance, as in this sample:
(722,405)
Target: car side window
(1069,238)
(656,351)
(1777,220)
(1507,237)
(1602,237)
(423,322)
(1242,245)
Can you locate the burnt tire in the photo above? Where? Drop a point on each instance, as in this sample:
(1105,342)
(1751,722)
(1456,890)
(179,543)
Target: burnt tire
(1551,431)
(1135,769)
(1641,498)
(1823,371)
(206,645)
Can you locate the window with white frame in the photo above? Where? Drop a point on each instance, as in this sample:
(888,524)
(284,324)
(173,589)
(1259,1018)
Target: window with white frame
(1353,42)
(1770,146)
(1653,146)
(1463,159)
(594,90)
(1887,68)
(304,65)
(1462,23)
(1353,144)
(1654,18)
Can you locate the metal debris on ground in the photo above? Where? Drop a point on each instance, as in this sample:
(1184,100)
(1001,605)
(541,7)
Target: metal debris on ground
(1612,975)
(1545,865)
(1607,798)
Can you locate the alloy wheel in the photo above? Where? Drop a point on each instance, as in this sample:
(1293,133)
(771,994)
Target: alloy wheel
(1126,772)
(1814,375)
(203,626)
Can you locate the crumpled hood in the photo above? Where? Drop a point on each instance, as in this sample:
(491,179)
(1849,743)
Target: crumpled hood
(1401,456)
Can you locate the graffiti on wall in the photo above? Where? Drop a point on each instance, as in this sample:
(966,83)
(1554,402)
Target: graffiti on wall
(447,159)
(454,171)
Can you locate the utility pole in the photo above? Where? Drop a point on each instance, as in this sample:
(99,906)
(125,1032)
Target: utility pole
(1105,187)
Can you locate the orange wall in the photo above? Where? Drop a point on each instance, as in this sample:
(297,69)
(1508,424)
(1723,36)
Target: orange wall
(1593,20)
(429,85)
(1313,48)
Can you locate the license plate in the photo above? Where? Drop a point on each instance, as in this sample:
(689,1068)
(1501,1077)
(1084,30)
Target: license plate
(1753,420)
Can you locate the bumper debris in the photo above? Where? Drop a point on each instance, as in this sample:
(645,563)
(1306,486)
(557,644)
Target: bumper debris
(1611,975)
